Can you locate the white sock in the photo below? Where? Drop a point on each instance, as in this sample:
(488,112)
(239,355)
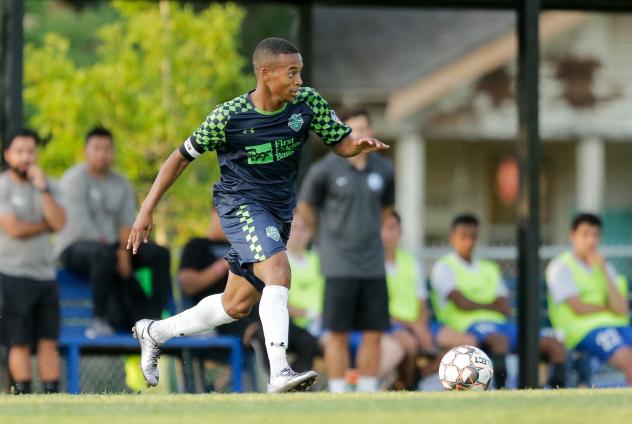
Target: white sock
(275,321)
(367,384)
(338,385)
(203,317)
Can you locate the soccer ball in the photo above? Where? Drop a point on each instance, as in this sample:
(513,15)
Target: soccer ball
(466,368)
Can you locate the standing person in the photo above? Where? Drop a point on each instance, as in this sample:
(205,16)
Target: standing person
(29,213)
(587,300)
(408,299)
(258,137)
(101,206)
(345,197)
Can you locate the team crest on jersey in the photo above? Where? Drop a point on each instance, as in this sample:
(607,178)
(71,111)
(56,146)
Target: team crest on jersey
(295,122)
(273,233)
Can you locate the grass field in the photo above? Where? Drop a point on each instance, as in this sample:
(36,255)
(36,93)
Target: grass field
(564,406)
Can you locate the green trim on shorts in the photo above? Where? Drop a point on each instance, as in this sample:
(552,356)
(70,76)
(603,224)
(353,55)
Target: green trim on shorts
(249,229)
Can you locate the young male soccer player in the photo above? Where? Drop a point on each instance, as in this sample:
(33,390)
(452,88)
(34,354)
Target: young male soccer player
(472,297)
(258,137)
(587,300)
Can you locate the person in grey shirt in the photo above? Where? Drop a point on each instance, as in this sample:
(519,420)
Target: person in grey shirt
(101,209)
(29,213)
(347,196)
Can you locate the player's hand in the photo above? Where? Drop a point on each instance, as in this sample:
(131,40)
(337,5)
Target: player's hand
(141,230)
(424,338)
(595,259)
(502,306)
(369,144)
(37,177)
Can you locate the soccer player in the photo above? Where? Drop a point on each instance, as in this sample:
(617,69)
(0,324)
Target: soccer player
(29,213)
(470,296)
(407,304)
(258,137)
(587,300)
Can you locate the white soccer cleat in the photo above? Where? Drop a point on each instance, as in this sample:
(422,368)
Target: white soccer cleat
(291,381)
(149,351)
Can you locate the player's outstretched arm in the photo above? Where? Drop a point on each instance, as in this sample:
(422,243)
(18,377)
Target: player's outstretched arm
(169,172)
(351,146)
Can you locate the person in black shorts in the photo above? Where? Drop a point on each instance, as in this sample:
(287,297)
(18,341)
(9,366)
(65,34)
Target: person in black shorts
(29,213)
(346,197)
(258,137)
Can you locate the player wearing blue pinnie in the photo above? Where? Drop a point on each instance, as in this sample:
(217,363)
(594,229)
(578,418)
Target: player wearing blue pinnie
(258,138)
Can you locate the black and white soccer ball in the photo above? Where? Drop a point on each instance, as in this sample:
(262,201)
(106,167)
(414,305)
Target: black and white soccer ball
(466,368)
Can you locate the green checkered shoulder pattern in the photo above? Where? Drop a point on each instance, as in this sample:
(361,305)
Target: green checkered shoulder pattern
(325,123)
(210,135)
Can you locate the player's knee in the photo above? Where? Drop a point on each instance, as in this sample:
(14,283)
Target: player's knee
(274,270)
(337,338)
(469,340)
(497,343)
(371,337)
(624,359)
(409,345)
(238,310)
(555,351)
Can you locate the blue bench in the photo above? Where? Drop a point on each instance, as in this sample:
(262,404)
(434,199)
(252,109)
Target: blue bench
(76,311)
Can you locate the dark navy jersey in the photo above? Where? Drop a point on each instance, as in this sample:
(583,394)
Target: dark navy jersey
(259,151)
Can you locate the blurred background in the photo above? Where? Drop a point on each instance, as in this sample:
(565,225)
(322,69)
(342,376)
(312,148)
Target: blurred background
(440,85)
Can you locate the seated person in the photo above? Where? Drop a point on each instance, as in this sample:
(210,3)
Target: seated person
(587,301)
(204,272)
(101,207)
(408,296)
(471,296)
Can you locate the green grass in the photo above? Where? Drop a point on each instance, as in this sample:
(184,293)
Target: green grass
(563,406)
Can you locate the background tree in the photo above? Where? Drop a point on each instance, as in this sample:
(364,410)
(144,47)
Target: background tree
(158,71)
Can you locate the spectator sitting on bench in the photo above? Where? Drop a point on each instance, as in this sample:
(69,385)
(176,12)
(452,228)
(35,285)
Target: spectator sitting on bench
(101,208)
(471,296)
(586,300)
(29,213)
(407,300)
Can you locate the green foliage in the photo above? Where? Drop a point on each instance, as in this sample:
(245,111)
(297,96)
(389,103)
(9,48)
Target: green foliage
(45,16)
(159,70)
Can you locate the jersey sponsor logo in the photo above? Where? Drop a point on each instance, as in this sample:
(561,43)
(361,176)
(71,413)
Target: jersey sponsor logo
(341,181)
(375,181)
(272,152)
(273,233)
(295,122)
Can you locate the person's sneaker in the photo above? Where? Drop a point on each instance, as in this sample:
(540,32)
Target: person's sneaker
(149,351)
(98,327)
(291,381)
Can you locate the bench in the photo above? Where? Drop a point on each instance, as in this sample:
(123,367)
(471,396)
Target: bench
(76,311)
